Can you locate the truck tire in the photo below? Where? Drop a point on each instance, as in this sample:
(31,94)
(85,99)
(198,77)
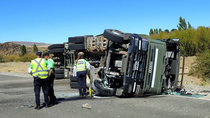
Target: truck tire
(56,46)
(59,71)
(101,90)
(76,47)
(56,50)
(59,76)
(78,39)
(114,35)
(73,79)
(74,84)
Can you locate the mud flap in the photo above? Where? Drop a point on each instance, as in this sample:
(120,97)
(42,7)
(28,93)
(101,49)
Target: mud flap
(139,91)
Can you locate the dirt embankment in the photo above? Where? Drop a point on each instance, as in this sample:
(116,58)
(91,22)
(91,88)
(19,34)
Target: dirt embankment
(15,67)
(189,62)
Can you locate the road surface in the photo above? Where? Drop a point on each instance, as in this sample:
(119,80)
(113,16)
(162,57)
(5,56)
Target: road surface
(17,101)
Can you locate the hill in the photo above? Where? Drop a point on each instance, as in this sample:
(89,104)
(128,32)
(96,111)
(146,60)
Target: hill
(10,48)
(30,43)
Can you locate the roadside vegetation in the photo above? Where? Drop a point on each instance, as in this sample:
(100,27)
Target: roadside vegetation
(1,59)
(15,58)
(196,43)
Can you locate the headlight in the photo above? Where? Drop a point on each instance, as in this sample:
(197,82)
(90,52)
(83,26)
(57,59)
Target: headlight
(176,40)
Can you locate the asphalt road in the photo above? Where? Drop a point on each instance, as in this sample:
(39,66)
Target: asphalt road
(17,101)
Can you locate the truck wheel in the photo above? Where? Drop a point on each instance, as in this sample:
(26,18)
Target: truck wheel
(59,71)
(73,79)
(56,46)
(56,50)
(74,84)
(59,76)
(77,39)
(76,47)
(103,91)
(114,35)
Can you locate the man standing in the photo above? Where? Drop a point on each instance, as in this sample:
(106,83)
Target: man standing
(39,71)
(80,67)
(51,77)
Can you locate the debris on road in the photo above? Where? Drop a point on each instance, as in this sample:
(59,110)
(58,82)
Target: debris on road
(86,105)
(183,93)
(27,106)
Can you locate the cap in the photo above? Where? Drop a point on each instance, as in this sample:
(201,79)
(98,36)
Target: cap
(81,53)
(45,54)
(39,53)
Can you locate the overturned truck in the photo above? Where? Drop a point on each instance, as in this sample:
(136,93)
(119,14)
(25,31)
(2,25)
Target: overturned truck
(121,63)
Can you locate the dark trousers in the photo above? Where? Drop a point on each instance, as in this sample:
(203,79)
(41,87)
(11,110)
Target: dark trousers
(38,83)
(52,97)
(81,78)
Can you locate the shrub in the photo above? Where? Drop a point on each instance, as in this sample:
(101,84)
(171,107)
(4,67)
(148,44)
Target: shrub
(1,59)
(23,50)
(45,51)
(11,58)
(35,48)
(27,57)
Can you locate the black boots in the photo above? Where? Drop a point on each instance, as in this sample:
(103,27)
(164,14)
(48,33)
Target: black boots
(37,107)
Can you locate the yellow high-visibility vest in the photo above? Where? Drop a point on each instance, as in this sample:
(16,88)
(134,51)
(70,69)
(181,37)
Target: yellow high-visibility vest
(81,65)
(39,68)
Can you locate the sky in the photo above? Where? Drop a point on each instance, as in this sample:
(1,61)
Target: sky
(53,21)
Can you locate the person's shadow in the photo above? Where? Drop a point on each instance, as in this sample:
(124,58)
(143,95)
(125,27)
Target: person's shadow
(72,98)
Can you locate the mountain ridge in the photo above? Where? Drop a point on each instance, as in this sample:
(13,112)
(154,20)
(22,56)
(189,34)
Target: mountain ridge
(27,43)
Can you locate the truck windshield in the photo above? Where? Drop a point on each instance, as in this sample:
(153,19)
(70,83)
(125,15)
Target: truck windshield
(144,44)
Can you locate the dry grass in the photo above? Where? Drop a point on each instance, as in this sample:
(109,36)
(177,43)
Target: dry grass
(15,67)
(189,62)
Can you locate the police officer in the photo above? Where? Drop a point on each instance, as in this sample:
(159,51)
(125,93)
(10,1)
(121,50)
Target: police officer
(80,67)
(52,97)
(39,71)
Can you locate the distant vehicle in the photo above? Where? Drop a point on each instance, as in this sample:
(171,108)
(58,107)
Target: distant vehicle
(122,63)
